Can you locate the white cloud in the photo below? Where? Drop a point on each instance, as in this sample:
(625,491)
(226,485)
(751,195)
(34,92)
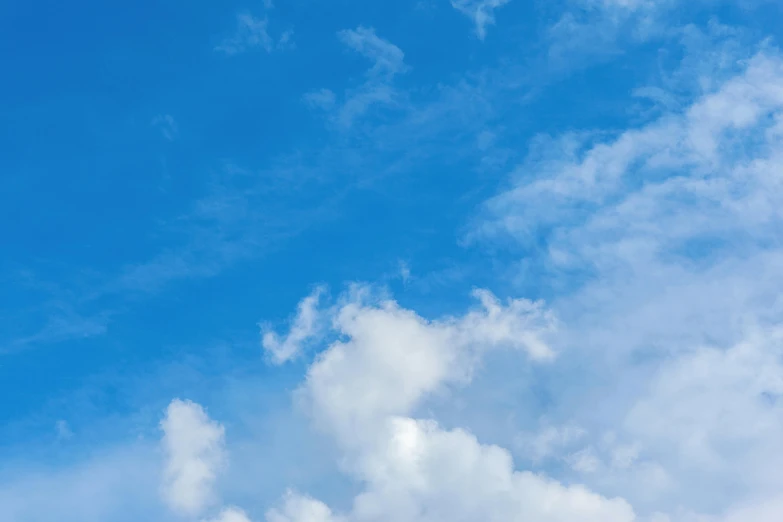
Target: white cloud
(584,461)
(695,154)
(416,471)
(286,40)
(376,90)
(624,456)
(194,447)
(303,328)
(301,508)
(722,411)
(422,472)
(404,272)
(115,484)
(194,451)
(322,98)
(629,5)
(670,348)
(672,230)
(64,431)
(167,126)
(770,511)
(603,27)
(363,389)
(388,59)
(481,12)
(253,33)
(230,514)
(549,441)
(64,324)
(393,357)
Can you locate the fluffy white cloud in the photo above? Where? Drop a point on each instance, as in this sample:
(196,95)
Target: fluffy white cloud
(392,358)
(364,388)
(668,339)
(193,445)
(673,231)
(419,472)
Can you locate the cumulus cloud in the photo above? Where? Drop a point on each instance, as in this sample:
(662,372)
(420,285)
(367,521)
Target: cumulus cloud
(364,389)
(662,378)
(481,12)
(193,446)
(392,358)
(667,238)
(417,471)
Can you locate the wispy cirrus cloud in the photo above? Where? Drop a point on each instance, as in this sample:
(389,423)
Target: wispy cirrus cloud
(252,33)
(377,89)
(589,30)
(241,215)
(481,13)
(167,126)
(62,323)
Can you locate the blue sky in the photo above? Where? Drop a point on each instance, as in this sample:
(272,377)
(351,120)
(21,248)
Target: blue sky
(295,261)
